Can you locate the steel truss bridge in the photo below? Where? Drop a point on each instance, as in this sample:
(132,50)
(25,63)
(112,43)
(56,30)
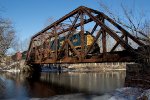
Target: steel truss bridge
(109,43)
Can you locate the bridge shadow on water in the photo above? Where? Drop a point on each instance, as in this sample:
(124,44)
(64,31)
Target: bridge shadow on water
(41,86)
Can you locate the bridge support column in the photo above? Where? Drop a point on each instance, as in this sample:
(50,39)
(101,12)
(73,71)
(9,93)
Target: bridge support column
(31,68)
(36,67)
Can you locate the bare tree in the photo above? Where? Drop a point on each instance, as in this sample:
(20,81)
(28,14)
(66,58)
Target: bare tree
(138,26)
(7,36)
(21,45)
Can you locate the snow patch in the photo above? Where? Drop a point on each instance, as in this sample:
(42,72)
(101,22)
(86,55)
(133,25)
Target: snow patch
(126,93)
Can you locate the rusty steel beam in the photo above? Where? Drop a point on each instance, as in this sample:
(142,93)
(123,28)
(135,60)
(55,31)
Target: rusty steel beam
(58,21)
(104,38)
(110,32)
(73,48)
(115,46)
(124,31)
(82,35)
(93,30)
(116,25)
(104,41)
(68,53)
(126,38)
(62,49)
(118,56)
(69,34)
(56,43)
(93,43)
(66,50)
(75,26)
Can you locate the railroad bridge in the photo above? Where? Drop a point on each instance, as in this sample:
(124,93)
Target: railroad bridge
(83,36)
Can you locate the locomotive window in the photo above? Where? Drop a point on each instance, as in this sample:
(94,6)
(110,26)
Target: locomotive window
(52,42)
(79,35)
(74,36)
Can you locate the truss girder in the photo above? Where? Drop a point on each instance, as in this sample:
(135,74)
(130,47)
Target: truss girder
(68,52)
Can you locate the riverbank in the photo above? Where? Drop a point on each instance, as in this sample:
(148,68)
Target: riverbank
(97,66)
(126,93)
(85,67)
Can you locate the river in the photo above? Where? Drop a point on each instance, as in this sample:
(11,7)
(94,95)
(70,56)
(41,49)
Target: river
(48,84)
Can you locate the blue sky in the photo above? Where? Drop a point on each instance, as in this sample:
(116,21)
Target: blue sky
(30,16)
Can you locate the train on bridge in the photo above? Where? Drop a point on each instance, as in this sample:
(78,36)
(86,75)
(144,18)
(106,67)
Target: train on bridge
(47,49)
(76,41)
(68,41)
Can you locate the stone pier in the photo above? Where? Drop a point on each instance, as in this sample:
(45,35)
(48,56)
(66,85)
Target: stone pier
(137,75)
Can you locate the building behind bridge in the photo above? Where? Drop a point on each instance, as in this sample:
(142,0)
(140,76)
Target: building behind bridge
(19,56)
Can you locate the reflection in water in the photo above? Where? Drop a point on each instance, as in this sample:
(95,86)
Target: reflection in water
(101,82)
(21,85)
(13,86)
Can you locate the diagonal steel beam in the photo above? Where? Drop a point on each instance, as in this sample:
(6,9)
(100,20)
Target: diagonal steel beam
(75,26)
(109,31)
(71,33)
(93,30)
(68,36)
(58,21)
(93,43)
(123,31)
(73,48)
(116,25)
(115,46)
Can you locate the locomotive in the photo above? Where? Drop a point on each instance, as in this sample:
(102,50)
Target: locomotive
(76,41)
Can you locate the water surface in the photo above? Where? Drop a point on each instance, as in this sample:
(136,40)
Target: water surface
(46,84)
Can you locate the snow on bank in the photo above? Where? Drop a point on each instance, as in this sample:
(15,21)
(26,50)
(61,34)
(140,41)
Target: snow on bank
(126,93)
(75,97)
